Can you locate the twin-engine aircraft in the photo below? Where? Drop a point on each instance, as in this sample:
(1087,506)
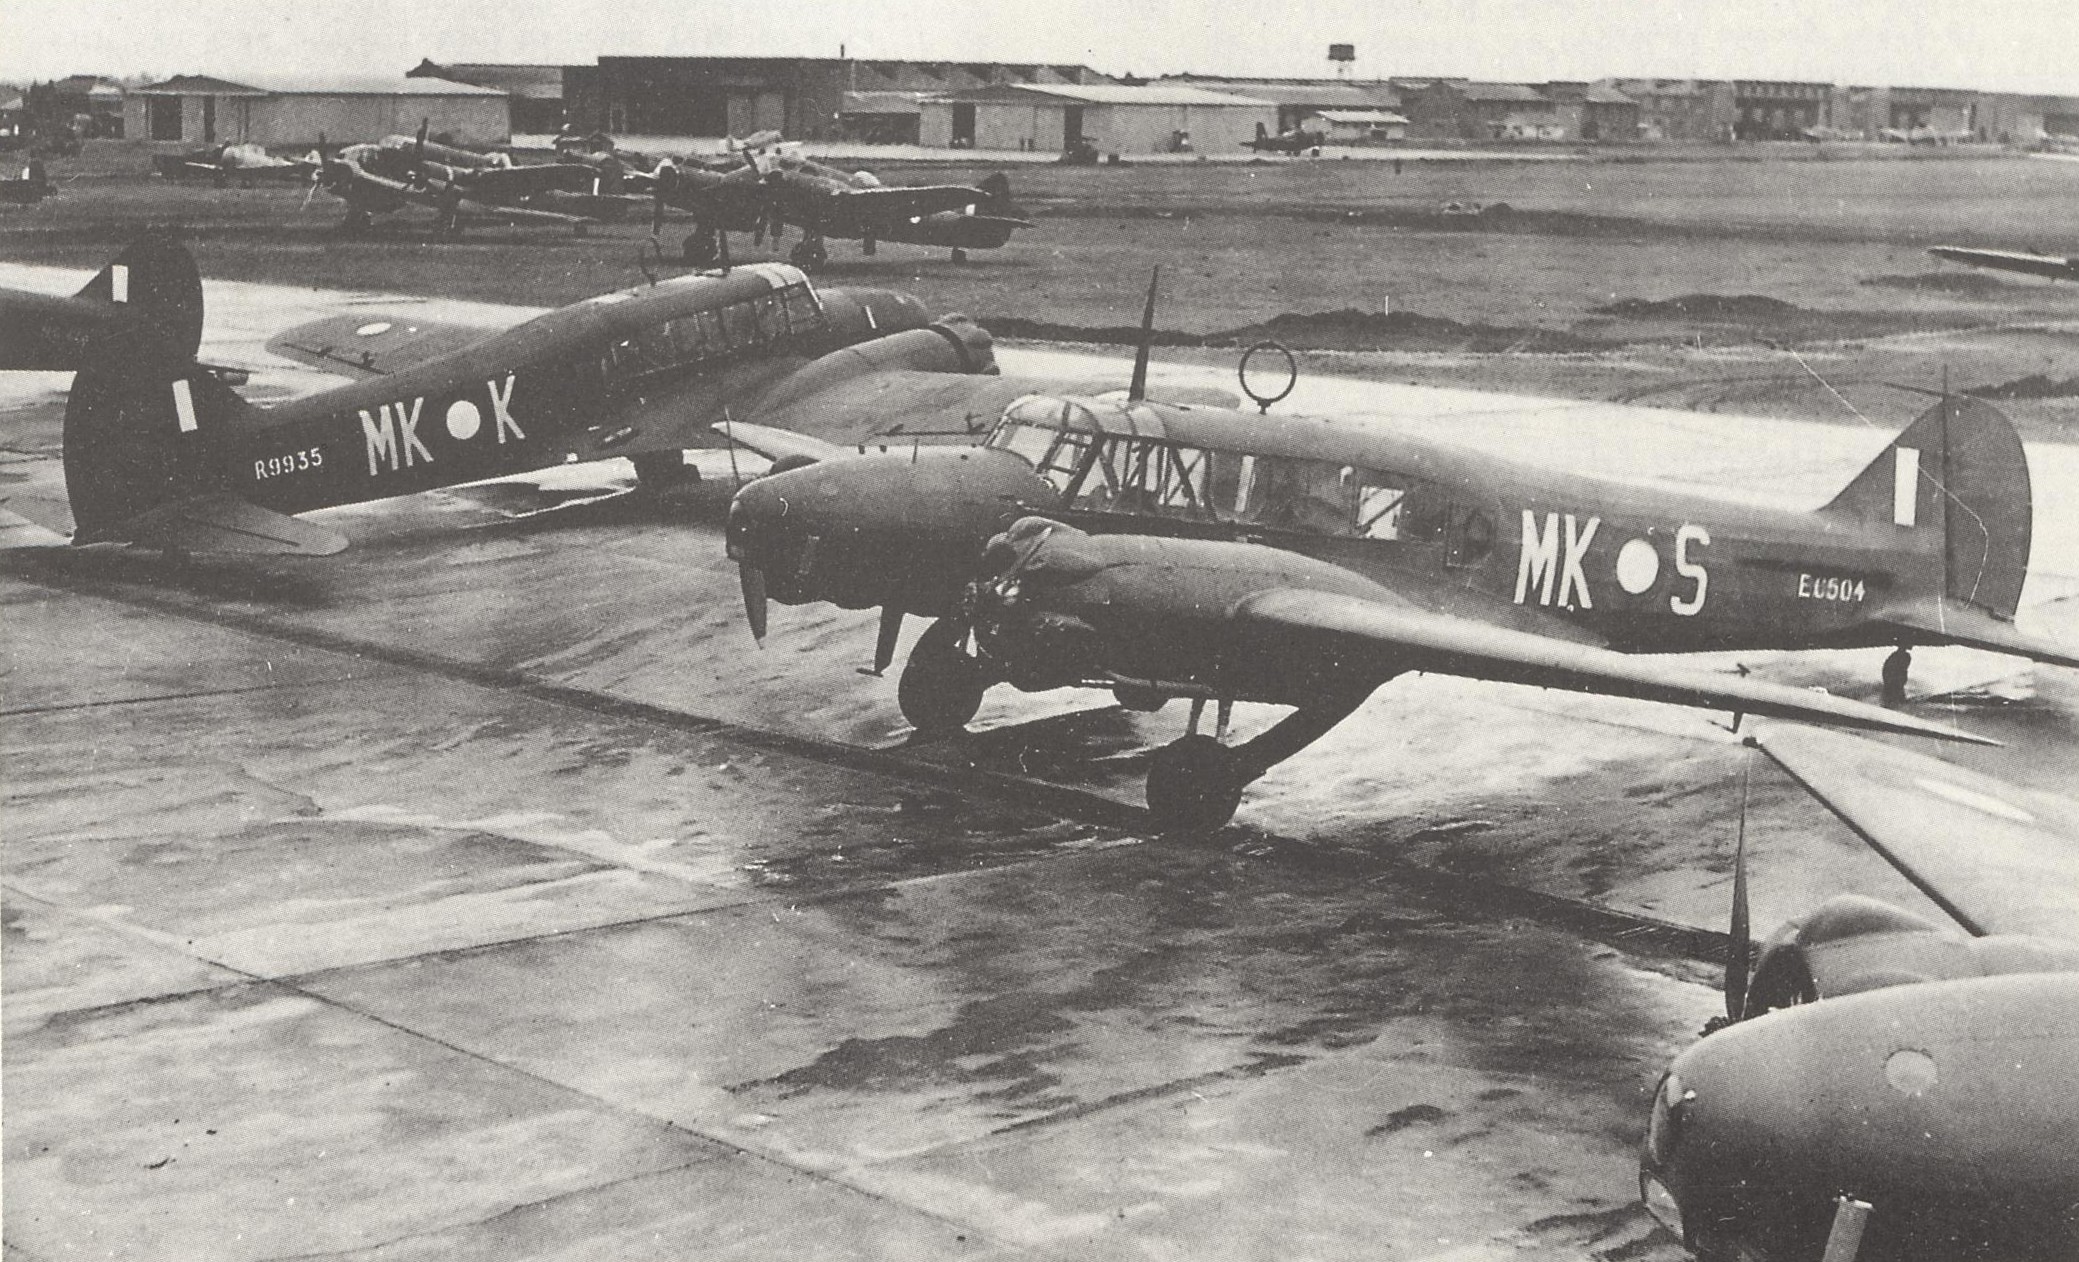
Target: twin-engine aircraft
(159,452)
(458,185)
(773,189)
(1165,551)
(1886,1086)
(150,291)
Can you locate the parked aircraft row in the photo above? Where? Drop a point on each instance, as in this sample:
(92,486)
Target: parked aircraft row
(1174,548)
(758,186)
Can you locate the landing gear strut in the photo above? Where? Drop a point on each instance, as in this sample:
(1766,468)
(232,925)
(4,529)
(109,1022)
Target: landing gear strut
(941,686)
(1195,783)
(1896,668)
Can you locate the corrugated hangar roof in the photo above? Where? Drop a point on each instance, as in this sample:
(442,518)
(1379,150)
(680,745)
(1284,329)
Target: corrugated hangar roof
(315,85)
(1360,116)
(1104,94)
(882,103)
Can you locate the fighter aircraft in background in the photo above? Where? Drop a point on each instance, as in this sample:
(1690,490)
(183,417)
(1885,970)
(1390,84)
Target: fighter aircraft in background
(1176,552)
(2049,265)
(150,289)
(159,452)
(1889,1087)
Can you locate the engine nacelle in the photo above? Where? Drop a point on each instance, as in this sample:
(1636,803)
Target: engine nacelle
(1851,944)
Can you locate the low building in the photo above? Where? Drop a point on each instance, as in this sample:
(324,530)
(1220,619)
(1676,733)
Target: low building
(1107,118)
(85,106)
(1356,127)
(1681,109)
(1597,112)
(1459,109)
(1298,99)
(804,98)
(295,113)
(1777,110)
(535,90)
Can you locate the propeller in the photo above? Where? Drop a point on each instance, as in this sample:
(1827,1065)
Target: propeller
(1740,950)
(322,175)
(752,580)
(1137,389)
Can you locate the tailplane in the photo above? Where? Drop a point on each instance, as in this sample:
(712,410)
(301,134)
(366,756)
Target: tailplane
(1957,482)
(156,278)
(139,429)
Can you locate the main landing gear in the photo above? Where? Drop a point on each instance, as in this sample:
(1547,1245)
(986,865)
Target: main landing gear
(809,253)
(1195,783)
(661,472)
(942,685)
(702,248)
(1896,668)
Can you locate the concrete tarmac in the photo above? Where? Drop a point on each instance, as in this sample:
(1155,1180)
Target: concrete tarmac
(483,893)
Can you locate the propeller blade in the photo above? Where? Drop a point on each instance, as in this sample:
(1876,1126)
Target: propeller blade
(657,206)
(884,643)
(1741,948)
(752,580)
(1137,389)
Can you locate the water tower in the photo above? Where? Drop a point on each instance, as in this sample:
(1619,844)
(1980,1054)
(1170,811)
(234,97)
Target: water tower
(1342,57)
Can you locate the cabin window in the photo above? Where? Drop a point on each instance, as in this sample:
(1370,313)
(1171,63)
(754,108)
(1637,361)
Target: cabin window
(1032,442)
(1138,475)
(804,313)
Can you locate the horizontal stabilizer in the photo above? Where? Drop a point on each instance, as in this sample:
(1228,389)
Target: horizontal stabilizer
(1954,622)
(226,523)
(1407,638)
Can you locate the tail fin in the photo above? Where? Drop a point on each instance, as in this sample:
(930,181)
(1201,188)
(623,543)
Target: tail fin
(156,277)
(138,428)
(1958,479)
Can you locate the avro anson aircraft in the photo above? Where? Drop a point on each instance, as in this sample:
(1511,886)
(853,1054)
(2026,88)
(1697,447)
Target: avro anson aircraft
(380,179)
(1177,552)
(159,452)
(1889,1087)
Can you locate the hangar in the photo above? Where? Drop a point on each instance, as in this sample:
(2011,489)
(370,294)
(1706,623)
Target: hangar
(1111,118)
(199,109)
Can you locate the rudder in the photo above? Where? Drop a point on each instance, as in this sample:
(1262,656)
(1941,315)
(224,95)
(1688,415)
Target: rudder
(1959,471)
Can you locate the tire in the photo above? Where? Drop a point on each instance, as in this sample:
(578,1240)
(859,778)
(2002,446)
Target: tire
(941,687)
(700,249)
(1896,669)
(1194,786)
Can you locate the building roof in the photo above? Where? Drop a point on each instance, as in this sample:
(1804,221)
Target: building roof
(1372,118)
(882,103)
(1334,93)
(1104,94)
(533,82)
(1502,92)
(315,85)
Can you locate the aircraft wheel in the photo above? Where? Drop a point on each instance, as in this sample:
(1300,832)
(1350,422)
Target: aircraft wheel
(1143,700)
(700,249)
(581,229)
(941,687)
(1194,786)
(960,256)
(1896,668)
(807,255)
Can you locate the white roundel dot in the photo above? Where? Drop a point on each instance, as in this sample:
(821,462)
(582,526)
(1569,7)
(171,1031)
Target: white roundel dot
(463,419)
(1638,564)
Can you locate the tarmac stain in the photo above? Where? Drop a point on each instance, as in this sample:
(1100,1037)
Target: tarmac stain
(1402,1119)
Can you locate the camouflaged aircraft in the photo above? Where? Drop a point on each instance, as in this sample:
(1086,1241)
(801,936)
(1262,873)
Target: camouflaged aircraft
(159,452)
(1887,1086)
(1165,551)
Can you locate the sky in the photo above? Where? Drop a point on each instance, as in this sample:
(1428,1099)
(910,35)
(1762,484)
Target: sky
(1993,45)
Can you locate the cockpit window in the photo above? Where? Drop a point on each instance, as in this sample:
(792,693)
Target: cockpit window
(703,337)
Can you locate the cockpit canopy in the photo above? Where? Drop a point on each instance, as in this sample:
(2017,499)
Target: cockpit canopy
(1116,456)
(736,326)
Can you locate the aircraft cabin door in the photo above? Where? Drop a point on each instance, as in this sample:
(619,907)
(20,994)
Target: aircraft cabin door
(1071,127)
(963,125)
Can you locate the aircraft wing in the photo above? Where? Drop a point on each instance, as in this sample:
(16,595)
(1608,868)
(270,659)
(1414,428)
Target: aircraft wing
(1955,622)
(371,344)
(2011,261)
(910,203)
(226,523)
(477,208)
(1997,857)
(1403,637)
